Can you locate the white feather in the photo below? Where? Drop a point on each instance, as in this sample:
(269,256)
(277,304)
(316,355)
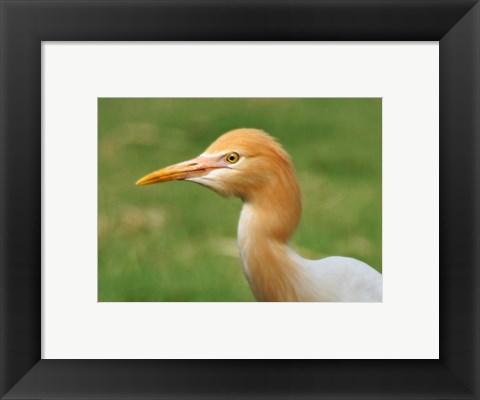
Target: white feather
(339,279)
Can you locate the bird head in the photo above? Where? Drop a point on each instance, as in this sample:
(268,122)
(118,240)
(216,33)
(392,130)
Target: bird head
(242,163)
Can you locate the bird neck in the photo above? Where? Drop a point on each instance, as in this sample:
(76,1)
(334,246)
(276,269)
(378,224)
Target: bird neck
(266,224)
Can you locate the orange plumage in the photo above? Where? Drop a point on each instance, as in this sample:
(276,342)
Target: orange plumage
(252,165)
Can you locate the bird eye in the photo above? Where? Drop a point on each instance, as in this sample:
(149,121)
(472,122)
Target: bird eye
(232,158)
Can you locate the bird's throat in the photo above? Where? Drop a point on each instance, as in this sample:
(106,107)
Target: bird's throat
(272,273)
(269,218)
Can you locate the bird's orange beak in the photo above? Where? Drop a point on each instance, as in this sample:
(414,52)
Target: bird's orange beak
(189,169)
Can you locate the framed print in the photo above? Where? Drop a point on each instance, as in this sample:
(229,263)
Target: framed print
(73,91)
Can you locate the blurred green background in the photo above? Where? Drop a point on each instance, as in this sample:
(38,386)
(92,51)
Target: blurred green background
(176,241)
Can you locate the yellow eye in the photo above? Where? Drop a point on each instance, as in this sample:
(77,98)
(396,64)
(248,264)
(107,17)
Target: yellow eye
(232,157)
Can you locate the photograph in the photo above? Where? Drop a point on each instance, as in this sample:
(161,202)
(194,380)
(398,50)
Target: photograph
(285,205)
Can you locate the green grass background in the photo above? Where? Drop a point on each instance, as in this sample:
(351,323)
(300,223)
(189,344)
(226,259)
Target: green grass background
(176,241)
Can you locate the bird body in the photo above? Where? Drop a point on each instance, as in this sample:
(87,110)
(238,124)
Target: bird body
(251,165)
(277,273)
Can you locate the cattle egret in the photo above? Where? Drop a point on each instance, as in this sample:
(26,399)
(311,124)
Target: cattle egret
(252,165)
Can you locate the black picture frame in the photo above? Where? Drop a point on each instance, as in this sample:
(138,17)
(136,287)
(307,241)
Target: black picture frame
(25,24)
